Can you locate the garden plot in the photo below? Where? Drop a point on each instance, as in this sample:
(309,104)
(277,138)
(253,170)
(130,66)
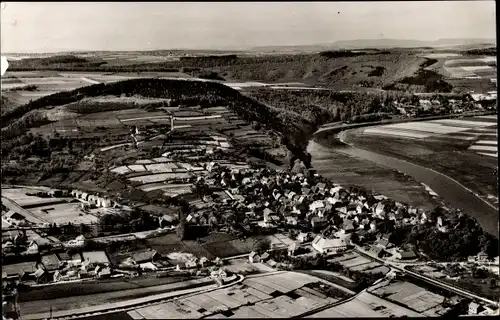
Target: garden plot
(137,167)
(465,123)
(355,262)
(458,72)
(162,186)
(174,192)
(64,213)
(478,68)
(160,177)
(162,167)
(426,127)
(121,170)
(386,131)
(190,167)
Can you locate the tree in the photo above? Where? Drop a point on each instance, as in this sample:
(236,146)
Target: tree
(263,245)
(181,230)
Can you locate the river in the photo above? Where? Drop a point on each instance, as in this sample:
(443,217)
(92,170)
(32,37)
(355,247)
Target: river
(453,193)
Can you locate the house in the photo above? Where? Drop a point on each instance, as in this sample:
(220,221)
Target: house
(98,257)
(384,243)
(293,248)
(380,210)
(475,308)
(347,226)
(180,266)
(323,245)
(145,256)
(442,224)
(40,275)
(267,212)
(304,237)
(482,256)
(14,270)
(50,262)
(264,257)
(272,263)
(64,257)
(316,205)
(405,255)
(318,222)
(291,220)
(203,262)
(272,218)
(32,248)
(102,272)
(253,257)
(377,251)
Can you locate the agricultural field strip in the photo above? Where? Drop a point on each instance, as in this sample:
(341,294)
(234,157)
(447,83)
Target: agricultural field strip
(397,133)
(425,127)
(483,148)
(465,123)
(486,142)
(145,118)
(488,154)
(160,177)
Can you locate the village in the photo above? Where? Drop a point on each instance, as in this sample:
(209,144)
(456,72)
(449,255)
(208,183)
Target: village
(316,216)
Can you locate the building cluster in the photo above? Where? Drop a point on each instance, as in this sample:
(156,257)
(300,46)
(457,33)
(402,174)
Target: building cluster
(470,102)
(271,200)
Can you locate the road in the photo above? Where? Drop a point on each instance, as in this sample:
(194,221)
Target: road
(434,282)
(12,205)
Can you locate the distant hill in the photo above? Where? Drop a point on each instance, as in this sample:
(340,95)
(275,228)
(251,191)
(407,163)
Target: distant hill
(379,44)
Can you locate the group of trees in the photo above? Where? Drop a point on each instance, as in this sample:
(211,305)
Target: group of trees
(464,238)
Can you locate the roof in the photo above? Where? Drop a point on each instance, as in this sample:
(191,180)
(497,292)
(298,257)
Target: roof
(383,242)
(14,269)
(50,261)
(376,250)
(64,256)
(39,272)
(144,256)
(408,254)
(348,224)
(76,256)
(95,256)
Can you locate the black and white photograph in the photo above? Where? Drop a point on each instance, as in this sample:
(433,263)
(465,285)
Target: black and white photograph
(202,160)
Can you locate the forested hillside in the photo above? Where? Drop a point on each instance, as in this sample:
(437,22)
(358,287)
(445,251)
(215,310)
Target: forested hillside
(330,68)
(294,129)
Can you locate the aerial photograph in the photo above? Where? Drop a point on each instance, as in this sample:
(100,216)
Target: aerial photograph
(189,160)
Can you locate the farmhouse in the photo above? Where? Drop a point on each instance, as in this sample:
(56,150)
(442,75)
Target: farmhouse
(323,245)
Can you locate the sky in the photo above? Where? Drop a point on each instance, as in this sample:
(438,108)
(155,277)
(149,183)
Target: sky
(70,26)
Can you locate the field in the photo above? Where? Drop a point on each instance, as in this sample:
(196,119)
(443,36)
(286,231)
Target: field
(450,146)
(214,245)
(348,170)
(275,295)
(466,73)
(117,293)
(412,296)
(94,287)
(63,213)
(19,196)
(366,305)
